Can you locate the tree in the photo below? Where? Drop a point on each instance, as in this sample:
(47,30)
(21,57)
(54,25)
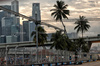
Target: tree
(60,12)
(42,36)
(80,44)
(59,41)
(82,25)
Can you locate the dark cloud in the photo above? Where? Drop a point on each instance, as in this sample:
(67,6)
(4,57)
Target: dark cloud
(4,0)
(81,7)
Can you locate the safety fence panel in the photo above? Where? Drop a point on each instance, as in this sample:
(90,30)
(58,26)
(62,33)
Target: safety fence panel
(22,56)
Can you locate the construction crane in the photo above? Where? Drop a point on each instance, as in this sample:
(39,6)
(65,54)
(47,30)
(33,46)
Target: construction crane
(29,18)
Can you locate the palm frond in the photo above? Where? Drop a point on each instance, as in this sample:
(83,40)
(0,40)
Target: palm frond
(64,16)
(33,33)
(76,27)
(64,6)
(66,12)
(53,9)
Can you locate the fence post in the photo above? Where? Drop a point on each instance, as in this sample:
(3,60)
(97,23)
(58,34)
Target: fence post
(15,53)
(23,56)
(6,55)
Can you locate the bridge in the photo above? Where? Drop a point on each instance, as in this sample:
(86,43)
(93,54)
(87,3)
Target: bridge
(5,47)
(90,40)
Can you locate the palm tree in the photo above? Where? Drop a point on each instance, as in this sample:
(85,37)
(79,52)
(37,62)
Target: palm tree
(82,25)
(59,41)
(81,44)
(60,12)
(42,36)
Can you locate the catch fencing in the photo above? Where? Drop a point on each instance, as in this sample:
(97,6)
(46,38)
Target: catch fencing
(42,56)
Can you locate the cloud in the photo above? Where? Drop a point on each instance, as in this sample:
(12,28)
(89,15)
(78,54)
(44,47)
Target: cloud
(5,0)
(88,8)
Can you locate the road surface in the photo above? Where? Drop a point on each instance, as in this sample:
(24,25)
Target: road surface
(96,63)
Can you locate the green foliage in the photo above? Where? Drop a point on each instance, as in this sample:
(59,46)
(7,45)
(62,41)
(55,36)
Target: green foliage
(82,25)
(42,36)
(59,41)
(81,44)
(60,12)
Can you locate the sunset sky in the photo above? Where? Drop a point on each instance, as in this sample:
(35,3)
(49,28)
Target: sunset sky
(87,8)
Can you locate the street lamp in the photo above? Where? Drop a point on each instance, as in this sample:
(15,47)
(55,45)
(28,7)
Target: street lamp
(6,54)
(36,37)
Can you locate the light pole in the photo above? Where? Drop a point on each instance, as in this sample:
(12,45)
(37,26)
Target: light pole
(6,55)
(36,37)
(15,53)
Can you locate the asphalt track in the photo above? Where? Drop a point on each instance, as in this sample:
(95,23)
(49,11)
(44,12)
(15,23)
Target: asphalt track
(96,63)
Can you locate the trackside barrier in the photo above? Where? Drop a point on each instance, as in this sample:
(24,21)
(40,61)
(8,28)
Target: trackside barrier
(47,57)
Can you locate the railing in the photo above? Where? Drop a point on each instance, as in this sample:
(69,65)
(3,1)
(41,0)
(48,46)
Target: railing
(28,57)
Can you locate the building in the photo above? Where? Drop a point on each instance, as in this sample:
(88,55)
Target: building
(2,39)
(15,6)
(10,23)
(36,14)
(11,38)
(72,35)
(1,15)
(14,30)
(14,38)
(8,39)
(7,21)
(25,30)
(29,26)
(49,36)
(16,19)
(21,33)
(4,14)
(31,29)
(6,25)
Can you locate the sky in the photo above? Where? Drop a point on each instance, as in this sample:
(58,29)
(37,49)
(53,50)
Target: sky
(87,8)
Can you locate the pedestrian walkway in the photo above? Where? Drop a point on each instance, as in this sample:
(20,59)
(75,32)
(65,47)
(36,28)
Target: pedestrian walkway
(97,63)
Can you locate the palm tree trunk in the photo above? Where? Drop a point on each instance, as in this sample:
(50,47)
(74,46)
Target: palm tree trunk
(82,34)
(65,32)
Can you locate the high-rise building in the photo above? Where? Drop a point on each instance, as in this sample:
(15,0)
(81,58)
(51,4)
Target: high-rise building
(11,38)
(7,21)
(14,30)
(2,39)
(49,36)
(31,29)
(14,38)
(15,6)
(4,14)
(1,15)
(8,39)
(21,33)
(25,30)
(36,14)
(72,35)
(10,23)
(16,22)
(29,26)
(6,25)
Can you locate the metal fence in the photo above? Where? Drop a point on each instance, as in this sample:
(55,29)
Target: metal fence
(22,56)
